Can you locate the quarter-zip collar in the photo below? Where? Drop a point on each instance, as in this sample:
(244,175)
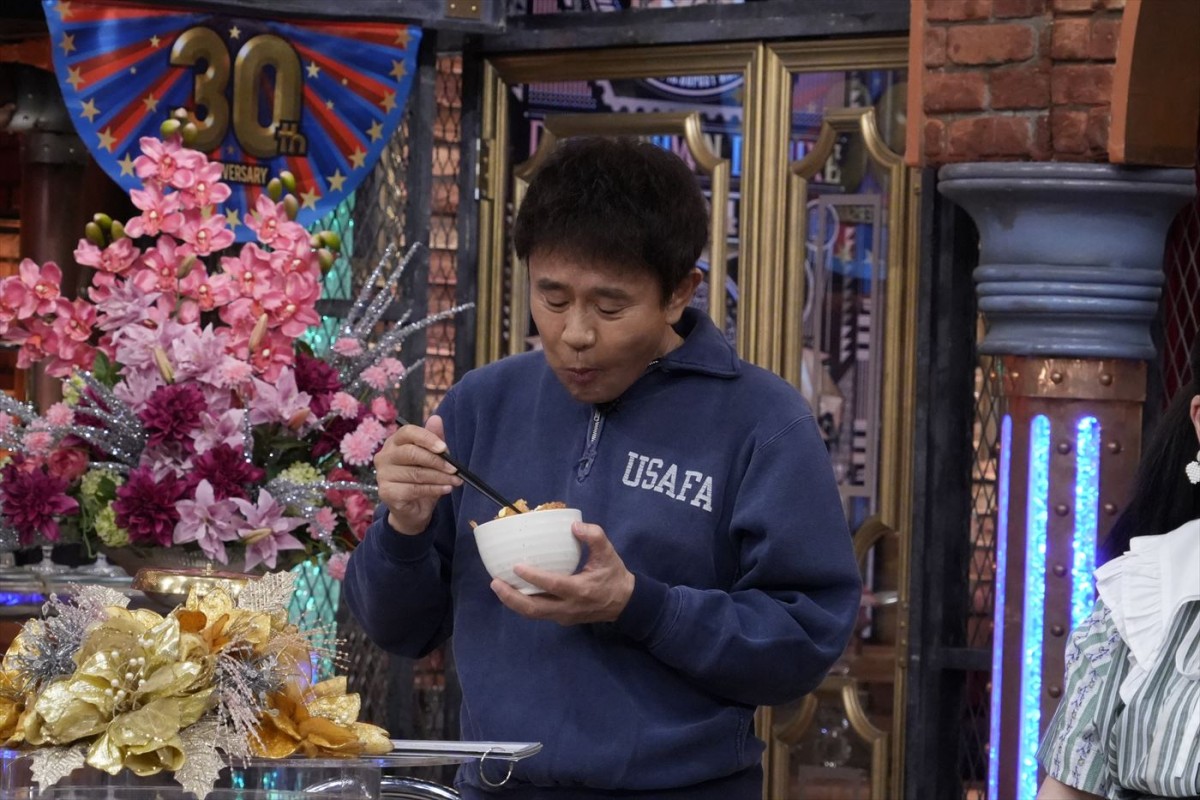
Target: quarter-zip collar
(704,351)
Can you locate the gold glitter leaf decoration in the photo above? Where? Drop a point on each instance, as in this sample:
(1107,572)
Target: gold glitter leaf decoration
(270,594)
(50,765)
(202,763)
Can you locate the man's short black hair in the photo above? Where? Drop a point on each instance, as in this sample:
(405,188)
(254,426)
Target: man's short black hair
(618,202)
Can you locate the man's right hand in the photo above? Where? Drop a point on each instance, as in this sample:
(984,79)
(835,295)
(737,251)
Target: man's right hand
(412,476)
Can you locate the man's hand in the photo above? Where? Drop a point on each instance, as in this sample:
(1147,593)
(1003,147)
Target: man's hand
(411,475)
(598,593)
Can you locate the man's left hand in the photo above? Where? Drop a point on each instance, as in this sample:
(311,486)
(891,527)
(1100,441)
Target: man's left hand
(597,593)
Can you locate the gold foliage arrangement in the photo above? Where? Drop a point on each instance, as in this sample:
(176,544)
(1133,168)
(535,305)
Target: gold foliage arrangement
(95,683)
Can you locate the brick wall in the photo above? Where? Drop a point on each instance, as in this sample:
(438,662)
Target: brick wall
(1014,80)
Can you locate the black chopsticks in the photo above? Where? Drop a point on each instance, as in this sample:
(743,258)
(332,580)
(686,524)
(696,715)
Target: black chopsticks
(470,478)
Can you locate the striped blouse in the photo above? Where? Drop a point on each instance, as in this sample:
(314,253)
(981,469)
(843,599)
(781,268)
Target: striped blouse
(1127,728)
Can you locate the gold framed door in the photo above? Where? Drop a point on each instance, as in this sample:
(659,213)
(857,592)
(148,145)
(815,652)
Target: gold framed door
(820,156)
(502,308)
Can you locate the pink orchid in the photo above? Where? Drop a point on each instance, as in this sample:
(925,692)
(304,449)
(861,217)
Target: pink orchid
(267,219)
(167,162)
(208,189)
(12,297)
(75,320)
(115,259)
(272,356)
(160,212)
(205,292)
(43,285)
(37,340)
(298,310)
(204,236)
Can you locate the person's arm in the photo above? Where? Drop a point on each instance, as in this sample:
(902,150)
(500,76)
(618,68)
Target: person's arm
(1053,789)
(398,580)
(398,586)
(789,615)
(1073,752)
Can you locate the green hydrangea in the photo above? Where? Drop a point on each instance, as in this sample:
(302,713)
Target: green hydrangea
(98,488)
(301,473)
(107,529)
(4,459)
(72,389)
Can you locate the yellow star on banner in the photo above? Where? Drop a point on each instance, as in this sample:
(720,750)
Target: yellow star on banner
(358,158)
(329,104)
(375,131)
(310,198)
(231,218)
(63,8)
(107,140)
(155,41)
(74,78)
(402,37)
(235,32)
(398,70)
(388,102)
(150,102)
(126,164)
(68,43)
(133,70)
(313,70)
(89,110)
(336,180)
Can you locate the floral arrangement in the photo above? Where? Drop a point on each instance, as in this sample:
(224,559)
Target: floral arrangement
(94,683)
(194,414)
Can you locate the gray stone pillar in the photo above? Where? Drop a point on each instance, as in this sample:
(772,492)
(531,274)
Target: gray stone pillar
(1069,279)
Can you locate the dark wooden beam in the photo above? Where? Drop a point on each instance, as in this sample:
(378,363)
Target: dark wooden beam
(439,14)
(766,19)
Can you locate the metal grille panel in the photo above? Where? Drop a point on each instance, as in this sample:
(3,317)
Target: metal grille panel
(1181,298)
(980,580)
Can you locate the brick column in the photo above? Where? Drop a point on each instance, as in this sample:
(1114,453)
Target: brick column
(1011,80)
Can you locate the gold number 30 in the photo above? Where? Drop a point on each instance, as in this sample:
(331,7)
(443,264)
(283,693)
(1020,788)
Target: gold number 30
(197,45)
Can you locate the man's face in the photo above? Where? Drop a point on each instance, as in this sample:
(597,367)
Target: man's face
(601,326)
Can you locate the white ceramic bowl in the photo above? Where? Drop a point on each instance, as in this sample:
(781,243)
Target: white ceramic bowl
(539,539)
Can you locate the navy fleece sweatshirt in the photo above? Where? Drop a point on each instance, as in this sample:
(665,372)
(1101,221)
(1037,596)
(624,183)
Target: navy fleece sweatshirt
(711,480)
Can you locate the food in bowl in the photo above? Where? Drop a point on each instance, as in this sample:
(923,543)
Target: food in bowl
(541,538)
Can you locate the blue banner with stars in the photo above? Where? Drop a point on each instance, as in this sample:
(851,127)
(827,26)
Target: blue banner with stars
(320,98)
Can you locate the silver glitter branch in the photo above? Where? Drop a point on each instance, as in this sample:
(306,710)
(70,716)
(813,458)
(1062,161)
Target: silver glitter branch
(360,322)
(306,498)
(52,642)
(364,294)
(390,343)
